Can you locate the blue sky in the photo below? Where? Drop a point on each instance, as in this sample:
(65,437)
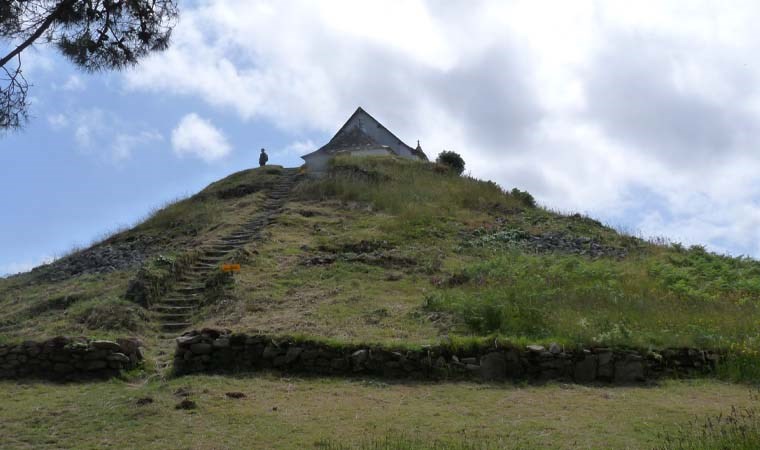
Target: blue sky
(643,115)
(60,189)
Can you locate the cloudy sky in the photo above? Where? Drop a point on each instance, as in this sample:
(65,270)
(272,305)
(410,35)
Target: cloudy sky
(642,114)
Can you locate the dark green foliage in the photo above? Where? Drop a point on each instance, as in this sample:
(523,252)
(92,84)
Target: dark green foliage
(696,273)
(524,197)
(217,284)
(95,35)
(156,277)
(452,160)
(110,315)
(111,35)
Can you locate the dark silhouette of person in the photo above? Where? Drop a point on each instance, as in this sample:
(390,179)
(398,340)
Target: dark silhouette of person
(263,158)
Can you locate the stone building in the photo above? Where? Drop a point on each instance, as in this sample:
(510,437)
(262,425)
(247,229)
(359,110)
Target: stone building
(361,135)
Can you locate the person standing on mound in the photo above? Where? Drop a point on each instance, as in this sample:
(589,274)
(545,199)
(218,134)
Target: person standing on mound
(263,158)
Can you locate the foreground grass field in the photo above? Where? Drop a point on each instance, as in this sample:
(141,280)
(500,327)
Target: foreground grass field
(331,413)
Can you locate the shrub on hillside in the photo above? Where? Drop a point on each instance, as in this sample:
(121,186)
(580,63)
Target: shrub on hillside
(524,197)
(110,314)
(452,160)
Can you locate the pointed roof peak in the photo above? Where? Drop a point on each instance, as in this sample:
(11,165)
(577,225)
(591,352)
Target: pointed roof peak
(363,130)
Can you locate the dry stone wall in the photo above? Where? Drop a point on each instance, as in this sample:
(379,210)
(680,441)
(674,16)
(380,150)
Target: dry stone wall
(211,350)
(63,358)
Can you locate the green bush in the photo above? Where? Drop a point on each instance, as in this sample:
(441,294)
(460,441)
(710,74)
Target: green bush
(452,160)
(525,198)
(109,315)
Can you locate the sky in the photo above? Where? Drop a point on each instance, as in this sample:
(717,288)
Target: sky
(641,114)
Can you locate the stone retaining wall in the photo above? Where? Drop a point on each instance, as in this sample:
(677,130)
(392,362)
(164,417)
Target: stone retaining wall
(63,358)
(220,351)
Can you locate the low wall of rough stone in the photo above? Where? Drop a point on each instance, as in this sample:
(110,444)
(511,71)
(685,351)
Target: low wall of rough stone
(63,358)
(221,351)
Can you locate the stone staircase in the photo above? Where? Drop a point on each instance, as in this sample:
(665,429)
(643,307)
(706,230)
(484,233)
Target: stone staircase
(177,307)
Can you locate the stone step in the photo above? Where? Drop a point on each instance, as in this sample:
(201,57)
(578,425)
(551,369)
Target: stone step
(241,238)
(175,316)
(214,253)
(179,298)
(192,304)
(236,243)
(189,278)
(223,247)
(211,260)
(237,237)
(190,289)
(202,269)
(165,307)
(175,326)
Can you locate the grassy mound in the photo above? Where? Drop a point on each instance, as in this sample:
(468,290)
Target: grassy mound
(402,252)
(61,298)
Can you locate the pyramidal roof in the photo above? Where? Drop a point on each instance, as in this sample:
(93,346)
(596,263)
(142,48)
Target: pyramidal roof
(361,130)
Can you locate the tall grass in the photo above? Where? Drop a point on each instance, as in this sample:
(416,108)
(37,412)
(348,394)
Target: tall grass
(637,301)
(400,441)
(738,429)
(410,189)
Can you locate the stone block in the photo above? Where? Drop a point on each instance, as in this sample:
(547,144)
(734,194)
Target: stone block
(359,357)
(585,369)
(270,351)
(339,364)
(221,342)
(201,348)
(514,365)
(186,341)
(292,354)
(95,354)
(63,368)
(605,369)
(106,345)
(97,364)
(629,370)
(493,367)
(118,357)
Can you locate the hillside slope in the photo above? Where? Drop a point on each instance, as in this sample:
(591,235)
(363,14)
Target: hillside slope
(396,251)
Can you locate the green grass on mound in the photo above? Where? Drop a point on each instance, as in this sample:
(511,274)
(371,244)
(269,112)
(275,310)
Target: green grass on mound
(659,299)
(403,253)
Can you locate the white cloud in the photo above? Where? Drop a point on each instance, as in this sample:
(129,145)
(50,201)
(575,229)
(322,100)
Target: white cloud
(124,144)
(101,133)
(641,113)
(73,83)
(298,148)
(198,137)
(57,121)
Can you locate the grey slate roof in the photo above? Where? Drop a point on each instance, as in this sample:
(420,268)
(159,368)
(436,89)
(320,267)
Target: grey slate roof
(352,137)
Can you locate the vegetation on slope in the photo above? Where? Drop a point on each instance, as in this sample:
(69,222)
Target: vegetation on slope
(406,252)
(93,292)
(390,250)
